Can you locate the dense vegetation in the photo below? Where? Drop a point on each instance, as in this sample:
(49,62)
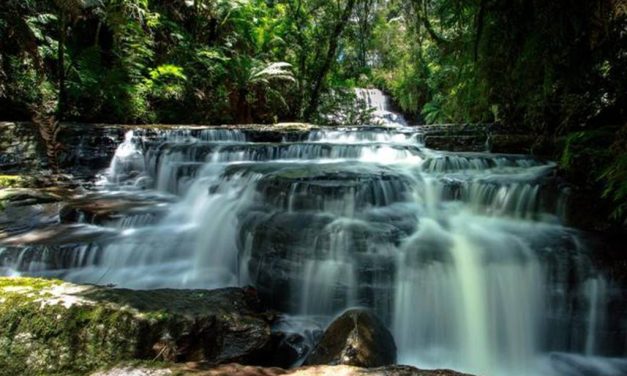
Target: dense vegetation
(554,68)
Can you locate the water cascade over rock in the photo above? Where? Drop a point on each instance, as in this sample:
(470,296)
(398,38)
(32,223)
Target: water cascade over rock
(462,255)
(383,114)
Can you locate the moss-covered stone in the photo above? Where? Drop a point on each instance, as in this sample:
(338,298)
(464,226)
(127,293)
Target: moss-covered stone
(9,181)
(55,328)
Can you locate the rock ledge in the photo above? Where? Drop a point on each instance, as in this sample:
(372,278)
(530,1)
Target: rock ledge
(51,327)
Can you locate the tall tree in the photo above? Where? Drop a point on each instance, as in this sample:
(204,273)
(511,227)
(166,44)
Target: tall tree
(328,59)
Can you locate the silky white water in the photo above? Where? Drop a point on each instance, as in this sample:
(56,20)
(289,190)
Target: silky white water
(461,254)
(382,113)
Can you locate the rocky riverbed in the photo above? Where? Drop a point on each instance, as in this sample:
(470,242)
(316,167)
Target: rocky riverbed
(52,327)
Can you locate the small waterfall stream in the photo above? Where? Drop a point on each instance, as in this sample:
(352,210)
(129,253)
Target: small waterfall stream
(380,104)
(461,254)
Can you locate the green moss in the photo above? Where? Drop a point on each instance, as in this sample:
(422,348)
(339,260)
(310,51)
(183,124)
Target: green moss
(31,283)
(9,181)
(17,181)
(51,327)
(45,337)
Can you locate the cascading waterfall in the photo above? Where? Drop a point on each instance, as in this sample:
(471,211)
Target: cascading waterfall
(128,158)
(380,104)
(462,254)
(595,291)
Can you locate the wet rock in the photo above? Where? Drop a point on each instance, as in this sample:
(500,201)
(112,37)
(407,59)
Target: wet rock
(281,245)
(455,137)
(20,147)
(23,210)
(289,348)
(356,338)
(240,370)
(32,196)
(52,250)
(456,142)
(331,187)
(52,327)
(277,132)
(478,137)
(86,147)
(103,210)
(293,338)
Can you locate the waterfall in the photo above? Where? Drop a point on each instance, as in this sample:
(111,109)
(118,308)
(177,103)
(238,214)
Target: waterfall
(128,159)
(379,103)
(595,292)
(463,255)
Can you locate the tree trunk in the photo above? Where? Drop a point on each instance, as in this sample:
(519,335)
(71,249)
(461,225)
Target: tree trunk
(240,108)
(321,74)
(364,34)
(61,63)
(296,15)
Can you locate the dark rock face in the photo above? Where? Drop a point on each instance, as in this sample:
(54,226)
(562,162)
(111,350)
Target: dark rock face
(455,137)
(102,209)
(86,147)
(288,348)
(20,147)
(356,338)
(480,137)
(61,328)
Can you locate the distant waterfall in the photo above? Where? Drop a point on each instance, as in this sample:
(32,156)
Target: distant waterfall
(379,102)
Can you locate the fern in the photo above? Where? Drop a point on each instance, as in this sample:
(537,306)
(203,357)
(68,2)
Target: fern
(432,112)
(274,71)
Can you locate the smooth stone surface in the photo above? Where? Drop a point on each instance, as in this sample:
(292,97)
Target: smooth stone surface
(103,209)
(356,338)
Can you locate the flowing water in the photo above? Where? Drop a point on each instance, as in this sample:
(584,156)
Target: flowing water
(461,254)
(383,113)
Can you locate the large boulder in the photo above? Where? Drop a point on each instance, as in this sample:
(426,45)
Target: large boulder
(356,338)
(51,327)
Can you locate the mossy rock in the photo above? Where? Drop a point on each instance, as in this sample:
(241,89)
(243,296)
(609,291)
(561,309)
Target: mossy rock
(11,181)
(51,327)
